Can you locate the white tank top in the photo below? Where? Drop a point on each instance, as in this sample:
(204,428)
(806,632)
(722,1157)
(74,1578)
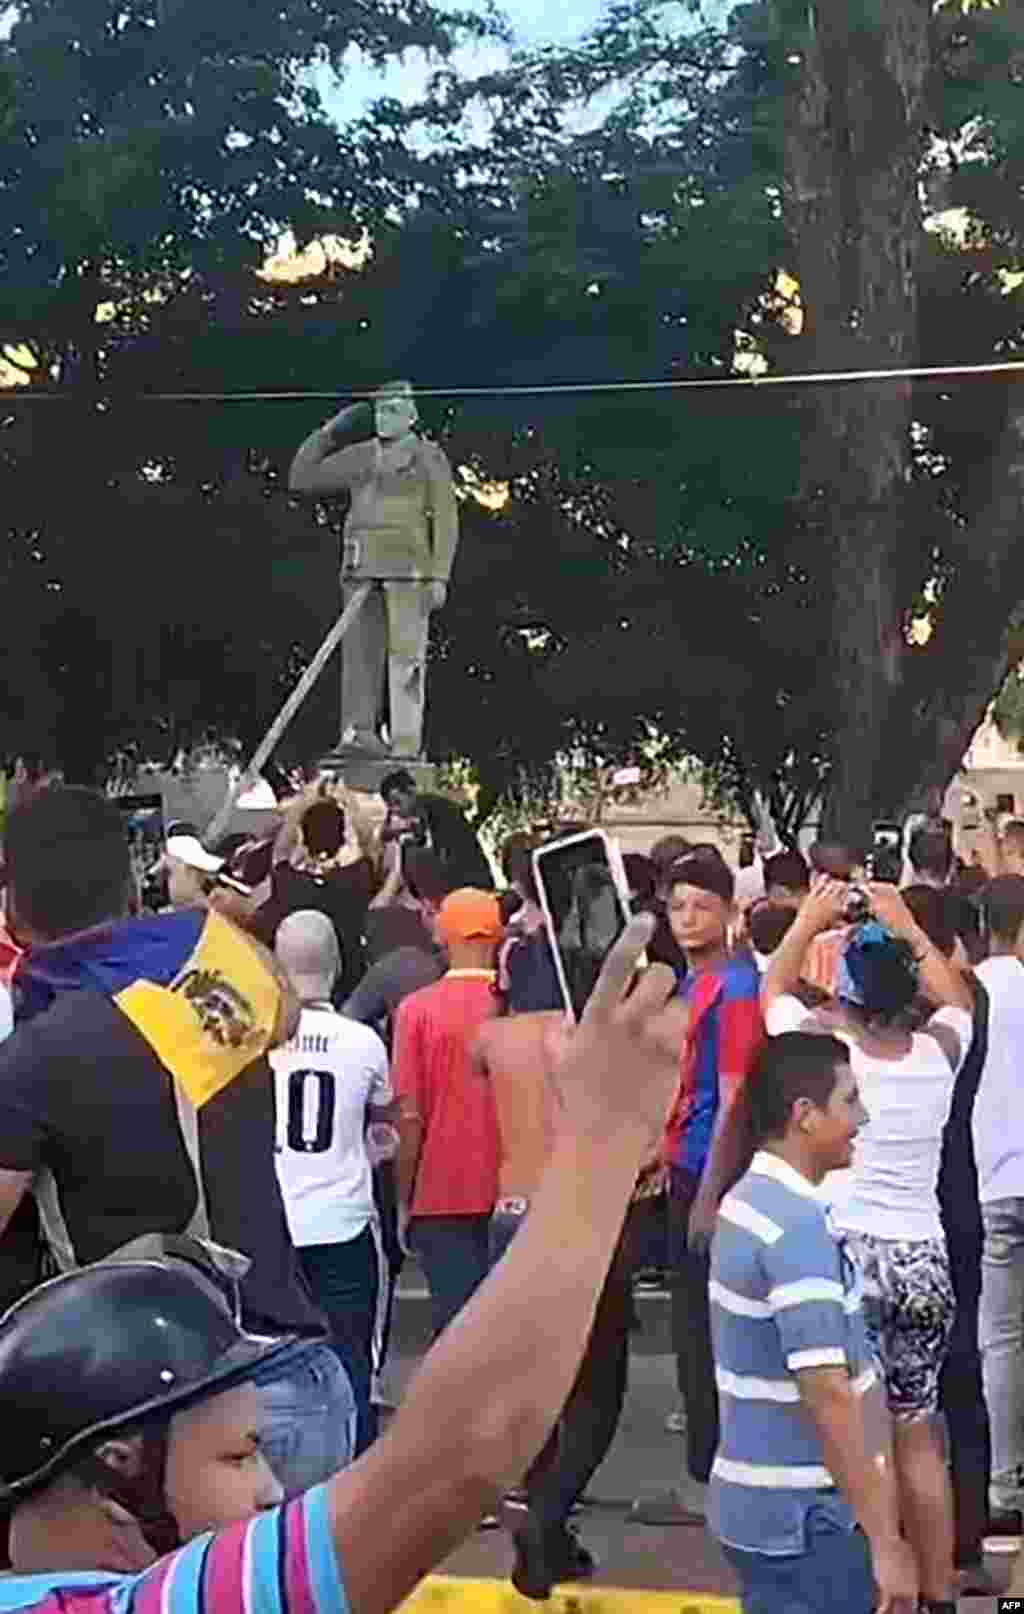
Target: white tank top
(890,1190)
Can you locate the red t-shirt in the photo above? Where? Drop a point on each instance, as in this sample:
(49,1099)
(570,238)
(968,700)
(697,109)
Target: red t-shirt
(433,1076)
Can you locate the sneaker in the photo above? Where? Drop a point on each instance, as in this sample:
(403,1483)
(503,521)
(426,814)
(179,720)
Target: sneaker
(533,1574)
(577,1562)
(490,1521)
(665,1511)
(547,1558)
(975,1580)
(1004,1522)
(675,1423)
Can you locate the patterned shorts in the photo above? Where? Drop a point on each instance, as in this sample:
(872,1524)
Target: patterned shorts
(909,1311)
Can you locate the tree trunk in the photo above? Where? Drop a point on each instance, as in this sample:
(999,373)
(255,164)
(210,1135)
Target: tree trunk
(852,154)
(905,714)
(978,637)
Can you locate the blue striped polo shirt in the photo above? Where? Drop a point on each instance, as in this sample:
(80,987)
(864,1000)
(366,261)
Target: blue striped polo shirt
(784,1296)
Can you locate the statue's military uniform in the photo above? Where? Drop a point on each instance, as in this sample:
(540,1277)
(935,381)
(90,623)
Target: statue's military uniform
(401,534)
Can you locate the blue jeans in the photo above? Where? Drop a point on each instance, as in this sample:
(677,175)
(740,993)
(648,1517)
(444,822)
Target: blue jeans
(348,1286)
(310,1427)
(833,1576)
(453,1252)
(1001,1331)
(503,1229)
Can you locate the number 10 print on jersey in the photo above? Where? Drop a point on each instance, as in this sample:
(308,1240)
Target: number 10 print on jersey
(326,1078)
(306,1123)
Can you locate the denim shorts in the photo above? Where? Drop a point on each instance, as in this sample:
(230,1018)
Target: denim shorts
(309,1431)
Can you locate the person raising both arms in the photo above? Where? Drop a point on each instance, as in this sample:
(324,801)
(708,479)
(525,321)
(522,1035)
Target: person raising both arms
(887,1205)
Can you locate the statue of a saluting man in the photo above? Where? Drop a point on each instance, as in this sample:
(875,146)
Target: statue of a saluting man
(401,535)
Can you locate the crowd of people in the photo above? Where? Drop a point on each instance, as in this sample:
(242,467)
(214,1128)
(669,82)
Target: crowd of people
(226,1125)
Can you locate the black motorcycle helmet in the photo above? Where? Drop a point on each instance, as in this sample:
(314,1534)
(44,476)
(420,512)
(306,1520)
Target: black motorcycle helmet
(122,1344)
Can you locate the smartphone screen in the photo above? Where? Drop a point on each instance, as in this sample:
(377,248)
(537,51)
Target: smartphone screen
(144,824)
(887,853)
(585,908)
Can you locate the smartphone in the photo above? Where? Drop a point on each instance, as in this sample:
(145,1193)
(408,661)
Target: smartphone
(144,824)
(887,853)
(584,898)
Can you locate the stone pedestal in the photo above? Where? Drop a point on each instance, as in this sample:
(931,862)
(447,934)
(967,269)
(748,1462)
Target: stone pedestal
(364,773)
(198,796)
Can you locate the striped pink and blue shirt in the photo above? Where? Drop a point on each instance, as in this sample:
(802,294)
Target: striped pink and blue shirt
(281,1562)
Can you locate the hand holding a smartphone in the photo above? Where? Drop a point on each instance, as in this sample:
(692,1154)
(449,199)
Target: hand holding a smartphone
(619,1068)
(889,908)
(584,898)
(886,860)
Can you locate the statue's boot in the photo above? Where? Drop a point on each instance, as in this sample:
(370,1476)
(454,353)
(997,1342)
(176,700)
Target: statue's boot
(364,742)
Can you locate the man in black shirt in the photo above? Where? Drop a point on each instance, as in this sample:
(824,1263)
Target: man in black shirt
(321,882)
(104,1115)
(436,823)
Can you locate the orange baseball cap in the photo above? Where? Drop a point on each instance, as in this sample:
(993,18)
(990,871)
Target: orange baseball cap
(470,915)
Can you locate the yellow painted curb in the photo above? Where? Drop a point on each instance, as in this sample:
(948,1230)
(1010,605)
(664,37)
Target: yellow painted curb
(456,1594)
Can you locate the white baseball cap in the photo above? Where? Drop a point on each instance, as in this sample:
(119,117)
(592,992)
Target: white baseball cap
(184,844)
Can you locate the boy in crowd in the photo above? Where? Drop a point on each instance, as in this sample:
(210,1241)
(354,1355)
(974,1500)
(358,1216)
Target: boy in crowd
(725,1031)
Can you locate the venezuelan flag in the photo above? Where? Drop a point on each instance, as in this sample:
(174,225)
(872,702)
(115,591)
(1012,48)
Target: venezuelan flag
(193,985)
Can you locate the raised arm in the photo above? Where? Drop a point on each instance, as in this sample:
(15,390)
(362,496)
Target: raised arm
(941,982)
(822,908)
(359,819)
(323,465)
(290,832)
(479,1410)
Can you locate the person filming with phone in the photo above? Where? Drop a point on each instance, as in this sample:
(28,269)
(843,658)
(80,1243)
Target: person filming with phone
(887,1206)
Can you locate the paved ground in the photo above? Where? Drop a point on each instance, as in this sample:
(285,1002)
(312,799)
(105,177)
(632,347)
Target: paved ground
(644,1460)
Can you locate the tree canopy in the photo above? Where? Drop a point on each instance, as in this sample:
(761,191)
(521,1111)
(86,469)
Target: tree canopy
(746,572)
(836,189)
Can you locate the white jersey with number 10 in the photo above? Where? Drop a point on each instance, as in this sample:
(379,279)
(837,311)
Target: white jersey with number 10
(324,1079)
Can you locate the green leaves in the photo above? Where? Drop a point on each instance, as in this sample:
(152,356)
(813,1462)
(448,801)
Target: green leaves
(654,564)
